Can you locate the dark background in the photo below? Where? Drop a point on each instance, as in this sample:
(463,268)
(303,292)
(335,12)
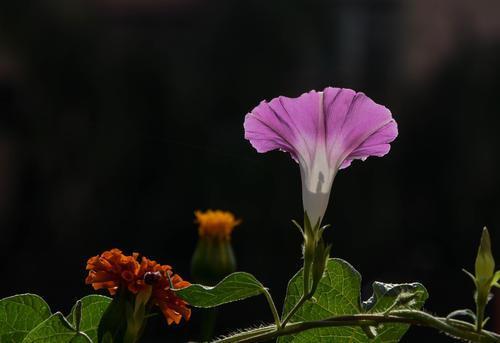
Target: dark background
(118,119)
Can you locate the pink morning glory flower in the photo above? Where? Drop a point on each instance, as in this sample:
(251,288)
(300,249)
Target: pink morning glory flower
(324,132)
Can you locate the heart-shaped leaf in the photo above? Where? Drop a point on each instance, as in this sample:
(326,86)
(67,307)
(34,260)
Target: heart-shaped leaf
(234,287)
(339,294)
(92,309)
(56,329)
(20,314)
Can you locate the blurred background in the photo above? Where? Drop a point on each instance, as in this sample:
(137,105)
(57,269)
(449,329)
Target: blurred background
(119,118)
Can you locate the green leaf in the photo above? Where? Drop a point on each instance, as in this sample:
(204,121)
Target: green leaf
(92,309)
(55,329)
(77,315)
(234,287)
(113,324)
(19,314)
(395,296)
(338,294)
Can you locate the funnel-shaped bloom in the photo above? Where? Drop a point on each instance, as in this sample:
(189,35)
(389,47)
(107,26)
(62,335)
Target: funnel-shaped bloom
(324,132)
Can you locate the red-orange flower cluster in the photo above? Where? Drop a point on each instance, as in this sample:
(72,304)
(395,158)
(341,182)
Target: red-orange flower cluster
(113,270)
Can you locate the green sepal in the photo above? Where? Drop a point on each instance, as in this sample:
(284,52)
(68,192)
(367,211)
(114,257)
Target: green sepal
(473,278)
(297,225)
(316,253)
(212,260)
(309,249)
(321,257)
(495,279)
(322,229)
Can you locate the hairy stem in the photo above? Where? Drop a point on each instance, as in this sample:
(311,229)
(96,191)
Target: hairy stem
(455,328)
(247,334)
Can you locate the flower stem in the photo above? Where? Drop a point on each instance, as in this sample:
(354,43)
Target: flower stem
(272,306)
(480,306)
(295,308)
(455,328)
(208,320)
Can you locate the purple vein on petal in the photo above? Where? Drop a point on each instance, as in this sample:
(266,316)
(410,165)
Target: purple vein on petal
(324,131)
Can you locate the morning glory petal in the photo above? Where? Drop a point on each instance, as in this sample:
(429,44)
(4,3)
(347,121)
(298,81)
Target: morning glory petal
(324,132)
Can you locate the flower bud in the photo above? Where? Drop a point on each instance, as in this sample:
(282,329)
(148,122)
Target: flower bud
(213,258)
(485,264)
(484,278)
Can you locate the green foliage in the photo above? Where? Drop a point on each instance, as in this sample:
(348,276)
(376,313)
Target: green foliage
(27,318)
(93,307)
(338,294)
(234,287)
(387,296)
(113,324)
(56,329)
(19,315)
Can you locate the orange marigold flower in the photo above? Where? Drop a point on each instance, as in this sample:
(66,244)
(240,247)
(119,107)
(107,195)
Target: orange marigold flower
(113,270)
(216,224)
